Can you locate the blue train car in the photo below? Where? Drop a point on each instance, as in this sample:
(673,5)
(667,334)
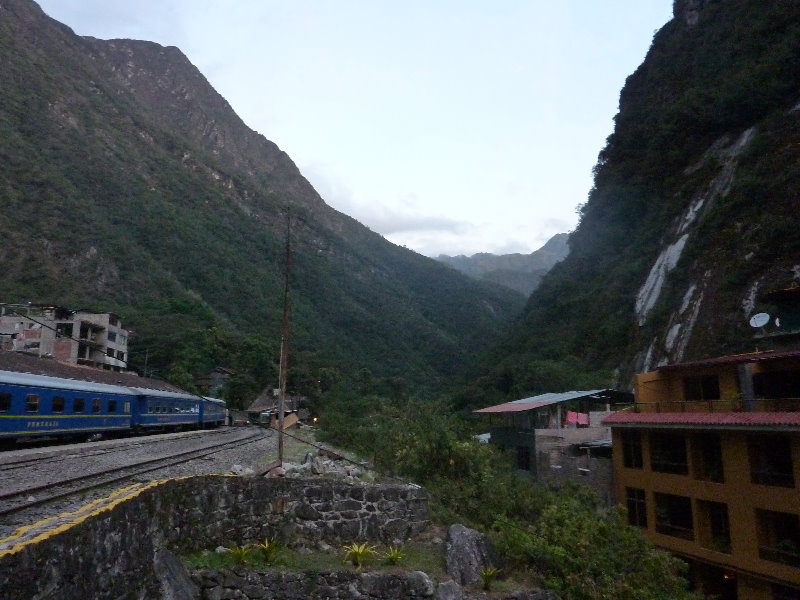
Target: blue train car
(39,405)
(213,412)
(42,405)
(159,409)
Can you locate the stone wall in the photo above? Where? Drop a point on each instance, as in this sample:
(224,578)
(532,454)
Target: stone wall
(340,585)
(556,466)
(112,553)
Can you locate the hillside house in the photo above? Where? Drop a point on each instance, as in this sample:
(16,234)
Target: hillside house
(73,336)
(541,428)
(707,463)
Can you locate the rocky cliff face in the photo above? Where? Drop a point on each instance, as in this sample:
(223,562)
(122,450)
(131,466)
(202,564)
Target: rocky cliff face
(694,217)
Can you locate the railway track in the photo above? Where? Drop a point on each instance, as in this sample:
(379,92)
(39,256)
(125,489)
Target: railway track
(18,497)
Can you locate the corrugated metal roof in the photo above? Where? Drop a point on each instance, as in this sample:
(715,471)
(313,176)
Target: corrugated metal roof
(534,402)
(732,420)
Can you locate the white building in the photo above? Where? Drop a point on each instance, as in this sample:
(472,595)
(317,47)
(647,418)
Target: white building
(75,336)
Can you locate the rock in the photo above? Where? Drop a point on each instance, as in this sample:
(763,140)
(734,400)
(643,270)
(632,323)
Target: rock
(466,553)
(317,466)
(420,584)
(241,470)
(276,472)
(449,590)
(173,578)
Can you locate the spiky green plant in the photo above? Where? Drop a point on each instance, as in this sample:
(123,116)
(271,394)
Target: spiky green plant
(268,550)
(356,554)
(394,555)
(488,575)
(239,554)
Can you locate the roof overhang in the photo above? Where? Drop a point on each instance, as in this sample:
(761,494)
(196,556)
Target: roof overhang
(602,396)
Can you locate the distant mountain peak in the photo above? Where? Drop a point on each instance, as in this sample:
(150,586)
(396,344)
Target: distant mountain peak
(520,272)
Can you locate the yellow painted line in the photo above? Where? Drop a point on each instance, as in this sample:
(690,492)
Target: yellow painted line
(51,526)
(67,416)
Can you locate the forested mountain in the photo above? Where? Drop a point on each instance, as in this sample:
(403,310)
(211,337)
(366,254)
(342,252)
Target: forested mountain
(521,272)
(128,184)
(694,217)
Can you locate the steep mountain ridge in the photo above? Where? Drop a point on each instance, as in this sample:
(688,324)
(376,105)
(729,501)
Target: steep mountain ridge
(694,215)
(521,272)
(128,184)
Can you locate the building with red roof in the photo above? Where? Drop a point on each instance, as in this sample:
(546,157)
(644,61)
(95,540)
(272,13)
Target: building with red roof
(707,462)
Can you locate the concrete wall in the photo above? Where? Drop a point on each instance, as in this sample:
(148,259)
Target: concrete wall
(111,553)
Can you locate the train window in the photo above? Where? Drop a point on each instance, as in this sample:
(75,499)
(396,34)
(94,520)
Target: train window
(112,406)
(126,407)
(5,402)
(95,405)
(32,403)
(58,404)
(78,405)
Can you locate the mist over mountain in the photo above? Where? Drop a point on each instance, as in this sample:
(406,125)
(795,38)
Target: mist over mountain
(128,184)
(521,272)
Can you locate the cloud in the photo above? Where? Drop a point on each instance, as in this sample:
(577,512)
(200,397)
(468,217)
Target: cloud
(401,217)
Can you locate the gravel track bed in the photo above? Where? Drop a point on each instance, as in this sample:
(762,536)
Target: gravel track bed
(20,468)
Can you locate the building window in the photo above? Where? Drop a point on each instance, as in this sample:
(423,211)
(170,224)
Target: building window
(637,507)
(58,404)
(5,402)
(674,516)
(771,460)
(64,330)
(632,449)
(715,531)
(32,403)
(707,452)
(779,537)
(668,453)
(112,336)
(78,405)
(702,387)
(95,405)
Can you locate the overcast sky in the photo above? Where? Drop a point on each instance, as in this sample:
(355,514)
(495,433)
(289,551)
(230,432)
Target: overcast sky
(448,126)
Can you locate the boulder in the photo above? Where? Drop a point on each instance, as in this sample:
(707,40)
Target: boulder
(173,578)
(467,552)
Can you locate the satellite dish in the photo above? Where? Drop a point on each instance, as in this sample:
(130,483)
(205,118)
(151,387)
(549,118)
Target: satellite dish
(759,320)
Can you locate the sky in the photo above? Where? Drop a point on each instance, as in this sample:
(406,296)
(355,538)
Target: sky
(447,126)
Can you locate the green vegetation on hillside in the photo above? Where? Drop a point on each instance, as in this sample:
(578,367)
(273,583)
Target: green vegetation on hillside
(561,538)
(128,184)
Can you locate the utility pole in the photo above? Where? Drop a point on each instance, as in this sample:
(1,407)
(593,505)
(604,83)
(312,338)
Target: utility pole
(284,336)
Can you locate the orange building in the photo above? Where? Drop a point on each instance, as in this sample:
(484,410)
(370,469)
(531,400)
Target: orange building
(708,464)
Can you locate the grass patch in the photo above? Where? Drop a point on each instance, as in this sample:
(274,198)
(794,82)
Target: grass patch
(417,556)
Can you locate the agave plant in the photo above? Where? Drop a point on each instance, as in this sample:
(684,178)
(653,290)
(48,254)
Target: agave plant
(268,550)
(394,555)
(356,554)
(239,554)
(488,575)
